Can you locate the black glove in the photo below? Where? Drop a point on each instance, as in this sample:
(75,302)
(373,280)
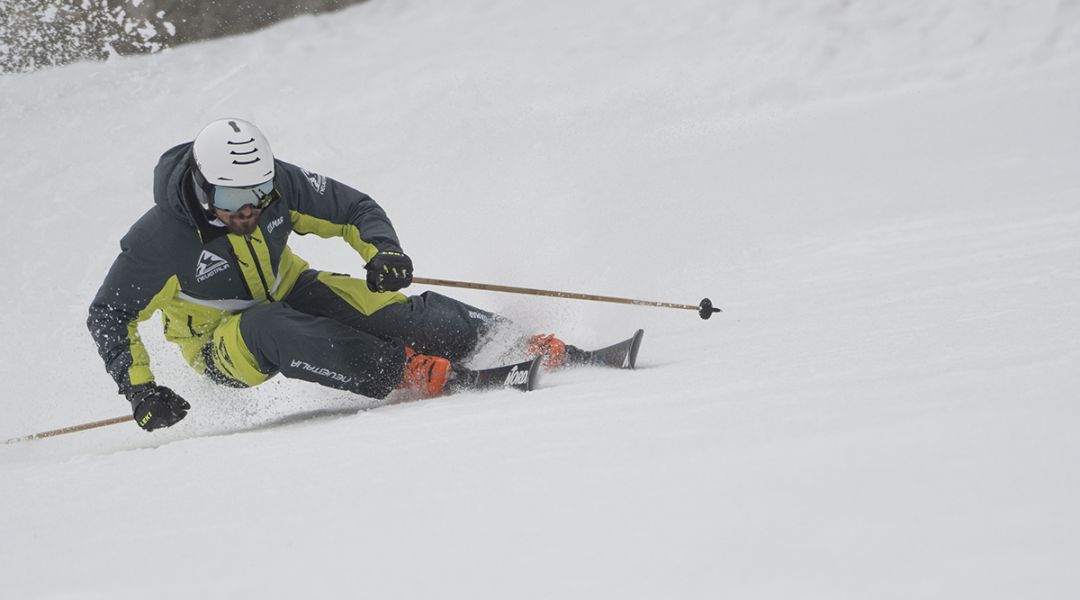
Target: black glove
(389,271)
(155,406)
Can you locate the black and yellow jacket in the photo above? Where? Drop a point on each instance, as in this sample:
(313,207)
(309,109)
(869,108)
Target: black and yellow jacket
(174,259)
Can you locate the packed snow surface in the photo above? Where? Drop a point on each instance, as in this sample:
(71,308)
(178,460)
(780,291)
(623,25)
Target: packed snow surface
(882,196)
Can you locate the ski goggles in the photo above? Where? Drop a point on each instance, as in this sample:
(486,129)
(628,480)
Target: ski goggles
(232,199)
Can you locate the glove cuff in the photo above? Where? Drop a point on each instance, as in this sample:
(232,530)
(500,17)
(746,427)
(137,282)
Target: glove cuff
(137,393)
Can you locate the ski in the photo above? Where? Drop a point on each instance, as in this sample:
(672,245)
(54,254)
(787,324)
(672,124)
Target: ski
(519,376)
(622,355)
(525,375)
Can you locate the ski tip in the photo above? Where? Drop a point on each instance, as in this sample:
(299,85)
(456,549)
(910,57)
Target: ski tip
(534,374)
(635,345)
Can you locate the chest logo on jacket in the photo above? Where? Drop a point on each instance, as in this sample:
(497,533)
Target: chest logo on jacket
(210,264)
(274,224)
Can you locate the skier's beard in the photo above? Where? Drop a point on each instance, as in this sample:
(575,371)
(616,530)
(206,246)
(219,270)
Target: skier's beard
(243,222)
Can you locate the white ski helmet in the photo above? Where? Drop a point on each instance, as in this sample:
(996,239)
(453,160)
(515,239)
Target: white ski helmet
(233,153)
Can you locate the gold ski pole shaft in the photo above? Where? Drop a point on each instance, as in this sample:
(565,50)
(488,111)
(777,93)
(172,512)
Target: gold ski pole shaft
(704,309)
(71,429)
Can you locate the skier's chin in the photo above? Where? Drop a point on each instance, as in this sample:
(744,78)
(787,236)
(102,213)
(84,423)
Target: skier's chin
(243,227)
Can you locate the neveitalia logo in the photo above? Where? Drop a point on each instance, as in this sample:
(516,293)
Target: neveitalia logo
(210,264)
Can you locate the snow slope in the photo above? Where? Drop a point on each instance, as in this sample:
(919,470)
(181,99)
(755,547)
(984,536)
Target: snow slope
(881,196)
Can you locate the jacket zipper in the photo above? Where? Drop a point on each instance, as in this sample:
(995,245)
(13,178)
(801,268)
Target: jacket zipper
(258,267)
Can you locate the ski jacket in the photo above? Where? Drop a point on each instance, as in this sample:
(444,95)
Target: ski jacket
(175,260)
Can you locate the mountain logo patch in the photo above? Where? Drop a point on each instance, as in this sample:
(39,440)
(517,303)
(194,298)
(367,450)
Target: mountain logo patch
(209,264)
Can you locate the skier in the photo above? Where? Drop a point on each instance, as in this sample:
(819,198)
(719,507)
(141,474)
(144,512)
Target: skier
(212,255)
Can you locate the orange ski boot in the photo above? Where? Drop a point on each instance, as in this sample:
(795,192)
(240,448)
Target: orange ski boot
(425,374)
(550,347)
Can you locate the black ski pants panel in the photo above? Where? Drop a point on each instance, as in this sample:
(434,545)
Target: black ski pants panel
(324,351)
(429,323)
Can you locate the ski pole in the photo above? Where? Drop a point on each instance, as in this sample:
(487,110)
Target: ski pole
(704,309)
(71,429)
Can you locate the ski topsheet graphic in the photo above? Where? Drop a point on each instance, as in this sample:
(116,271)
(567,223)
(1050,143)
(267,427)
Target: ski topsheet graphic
(519,376)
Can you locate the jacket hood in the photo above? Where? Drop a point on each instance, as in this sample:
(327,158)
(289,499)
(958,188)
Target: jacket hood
(172,181)
(174,192)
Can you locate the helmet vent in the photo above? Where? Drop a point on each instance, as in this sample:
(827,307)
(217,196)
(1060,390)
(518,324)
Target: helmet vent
(232,153)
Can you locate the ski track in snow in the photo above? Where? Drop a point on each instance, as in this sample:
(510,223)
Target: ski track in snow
(881,197)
